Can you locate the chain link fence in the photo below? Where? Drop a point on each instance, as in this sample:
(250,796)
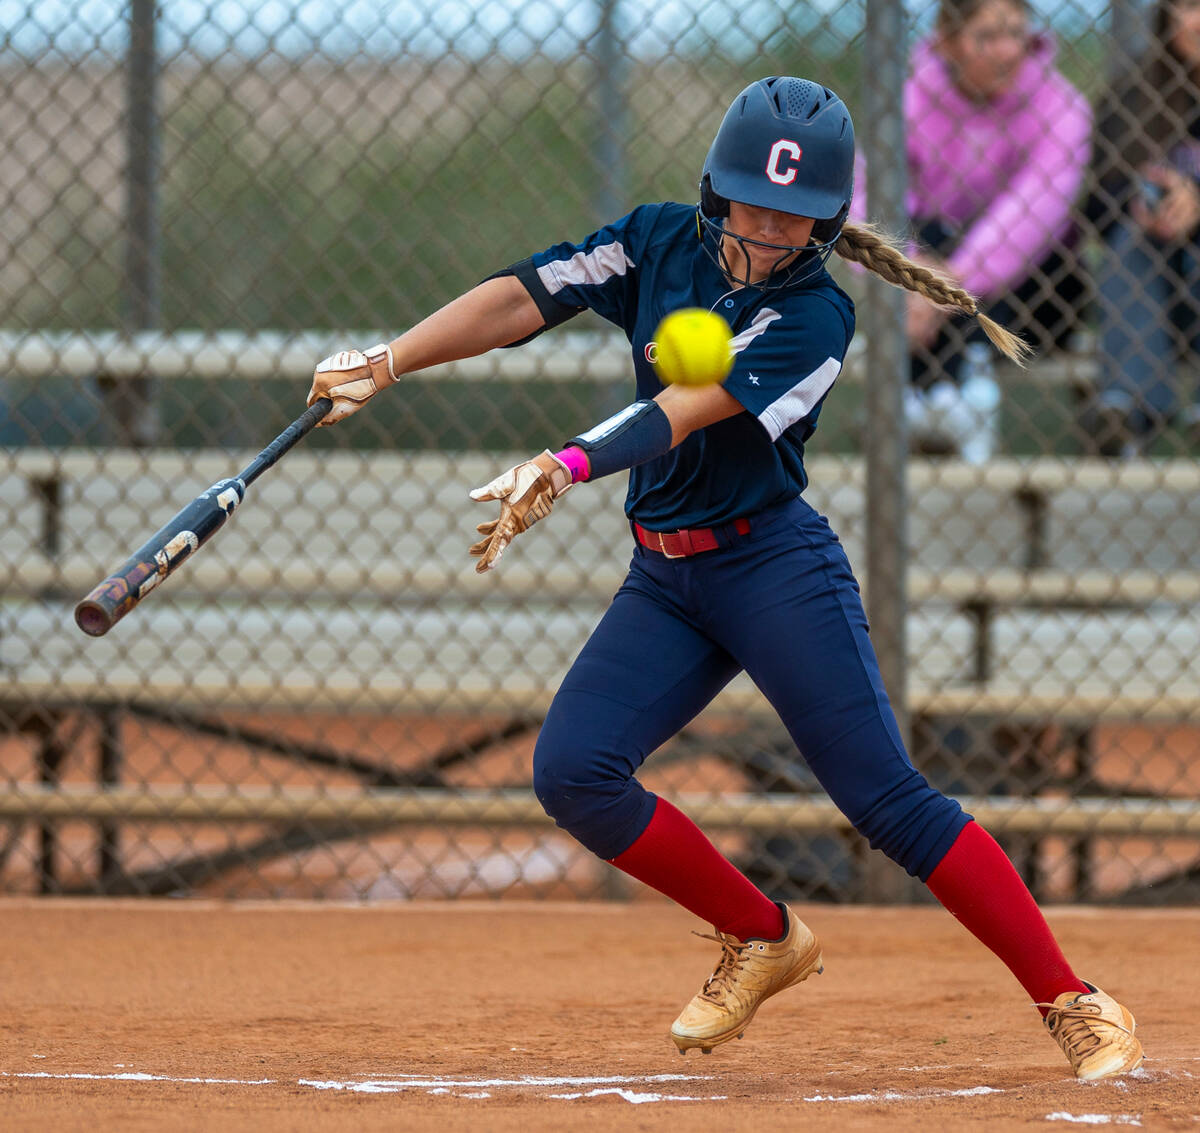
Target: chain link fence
(200,201)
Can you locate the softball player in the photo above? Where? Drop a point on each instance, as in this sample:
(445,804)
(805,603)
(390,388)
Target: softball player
(732,569)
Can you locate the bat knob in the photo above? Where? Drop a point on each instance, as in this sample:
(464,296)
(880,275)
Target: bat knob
(93,618)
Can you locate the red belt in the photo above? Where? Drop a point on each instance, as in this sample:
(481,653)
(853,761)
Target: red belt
(690,541)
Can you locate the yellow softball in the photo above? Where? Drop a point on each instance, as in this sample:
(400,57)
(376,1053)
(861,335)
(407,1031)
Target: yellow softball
(693,347)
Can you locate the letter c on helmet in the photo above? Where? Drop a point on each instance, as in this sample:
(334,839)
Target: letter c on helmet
(782,148)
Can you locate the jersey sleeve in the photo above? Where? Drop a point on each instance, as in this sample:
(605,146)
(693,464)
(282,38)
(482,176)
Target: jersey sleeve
(599,273)
(787,358)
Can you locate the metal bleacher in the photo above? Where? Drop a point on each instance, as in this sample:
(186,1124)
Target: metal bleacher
(372,598)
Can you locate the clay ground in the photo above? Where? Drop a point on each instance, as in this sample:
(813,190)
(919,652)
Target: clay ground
(522,1016)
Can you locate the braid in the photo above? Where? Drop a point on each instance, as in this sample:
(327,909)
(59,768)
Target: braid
(880,254)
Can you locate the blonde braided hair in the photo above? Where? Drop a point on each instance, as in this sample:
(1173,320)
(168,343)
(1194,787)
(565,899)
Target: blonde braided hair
(882,255)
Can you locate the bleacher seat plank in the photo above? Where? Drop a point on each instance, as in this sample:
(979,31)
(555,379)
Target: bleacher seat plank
(355,563)
(200,466)
(211,689)
(397,581)
(1009,586)
(518,808)
(406,517)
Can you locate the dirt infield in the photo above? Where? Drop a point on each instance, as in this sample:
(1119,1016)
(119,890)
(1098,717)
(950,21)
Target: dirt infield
(521,1016)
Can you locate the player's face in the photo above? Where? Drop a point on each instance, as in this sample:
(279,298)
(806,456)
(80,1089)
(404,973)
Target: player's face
(771,231)
(988,50)
(1185,31)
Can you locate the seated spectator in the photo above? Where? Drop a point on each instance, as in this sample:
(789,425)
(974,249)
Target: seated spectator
(1146,206)
(998,145)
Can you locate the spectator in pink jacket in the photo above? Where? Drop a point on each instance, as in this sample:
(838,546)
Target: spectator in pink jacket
(998,150)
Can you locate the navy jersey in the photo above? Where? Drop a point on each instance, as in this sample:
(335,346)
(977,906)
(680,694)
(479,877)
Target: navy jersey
(789,344)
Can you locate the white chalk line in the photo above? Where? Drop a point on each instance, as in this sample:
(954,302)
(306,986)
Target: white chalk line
(1143,1074)
(1096,1118)
(616,1085)
(635,1098)
(630,1088)
(909,1096)
(473,1088)
(134,1076)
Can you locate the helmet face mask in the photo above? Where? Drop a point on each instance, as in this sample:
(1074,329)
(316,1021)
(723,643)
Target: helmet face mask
(793,264)
(784,144)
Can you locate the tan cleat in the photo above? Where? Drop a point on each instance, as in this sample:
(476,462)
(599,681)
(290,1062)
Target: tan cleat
(1095,1032)
(749,972)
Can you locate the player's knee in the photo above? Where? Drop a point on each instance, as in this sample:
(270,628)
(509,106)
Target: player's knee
(569,794)
(553,771)
(585,800)
(558,795)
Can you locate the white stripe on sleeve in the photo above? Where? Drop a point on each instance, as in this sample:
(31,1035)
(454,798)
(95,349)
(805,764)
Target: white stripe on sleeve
(599,432)
(800,400)
(762,319)
(593,268)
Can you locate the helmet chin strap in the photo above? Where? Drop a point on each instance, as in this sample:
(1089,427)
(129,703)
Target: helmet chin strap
(807,259)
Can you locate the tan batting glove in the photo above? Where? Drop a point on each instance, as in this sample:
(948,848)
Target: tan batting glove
(350,378)
(526,493)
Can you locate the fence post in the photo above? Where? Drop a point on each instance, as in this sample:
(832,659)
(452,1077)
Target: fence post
(881,130)
(132,401)
(612,179)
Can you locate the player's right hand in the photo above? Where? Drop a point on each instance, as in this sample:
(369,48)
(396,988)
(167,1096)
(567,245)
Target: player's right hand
(526,492)
(350,378)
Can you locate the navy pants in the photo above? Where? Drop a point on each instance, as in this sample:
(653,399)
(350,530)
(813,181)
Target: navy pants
(781,603)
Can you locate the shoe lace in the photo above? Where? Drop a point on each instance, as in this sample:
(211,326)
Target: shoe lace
(733,954)
(1075,1027)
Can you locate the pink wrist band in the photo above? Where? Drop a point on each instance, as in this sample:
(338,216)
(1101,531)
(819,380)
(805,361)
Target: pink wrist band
(576,461)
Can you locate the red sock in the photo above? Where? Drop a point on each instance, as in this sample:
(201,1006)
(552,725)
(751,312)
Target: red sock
(673,856)
(980,886)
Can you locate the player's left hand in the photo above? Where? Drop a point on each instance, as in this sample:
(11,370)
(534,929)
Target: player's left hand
(350,378)
(526,492)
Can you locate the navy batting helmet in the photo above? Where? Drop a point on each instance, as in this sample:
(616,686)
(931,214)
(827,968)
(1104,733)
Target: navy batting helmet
(786,144)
